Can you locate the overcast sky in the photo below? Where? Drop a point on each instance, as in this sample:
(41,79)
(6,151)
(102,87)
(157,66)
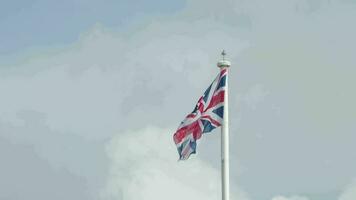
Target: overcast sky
(91,93)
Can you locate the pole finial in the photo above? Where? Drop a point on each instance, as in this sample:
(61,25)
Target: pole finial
(223,63)
(223,53)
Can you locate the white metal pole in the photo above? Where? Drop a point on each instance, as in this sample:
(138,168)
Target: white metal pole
(225,146)
(225,181)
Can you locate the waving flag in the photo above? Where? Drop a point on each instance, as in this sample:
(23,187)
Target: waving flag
(206,116)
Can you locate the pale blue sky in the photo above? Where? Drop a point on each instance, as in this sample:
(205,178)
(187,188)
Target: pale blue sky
(33,23)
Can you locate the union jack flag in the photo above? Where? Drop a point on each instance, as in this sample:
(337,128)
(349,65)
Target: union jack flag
(206,116)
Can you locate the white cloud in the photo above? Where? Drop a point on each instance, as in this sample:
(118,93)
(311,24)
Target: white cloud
(290,198)
(349,193)
(144,166)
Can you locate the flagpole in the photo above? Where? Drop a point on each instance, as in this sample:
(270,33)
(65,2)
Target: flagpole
(225,180)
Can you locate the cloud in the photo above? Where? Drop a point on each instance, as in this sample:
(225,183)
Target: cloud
(26,175)
(289,198)
(108,73)
(36,159)
(349,193)
(144,166)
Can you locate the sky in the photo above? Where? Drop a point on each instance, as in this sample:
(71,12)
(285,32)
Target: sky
(91,93)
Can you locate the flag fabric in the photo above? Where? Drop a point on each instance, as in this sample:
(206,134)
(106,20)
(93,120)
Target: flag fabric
(206,116)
